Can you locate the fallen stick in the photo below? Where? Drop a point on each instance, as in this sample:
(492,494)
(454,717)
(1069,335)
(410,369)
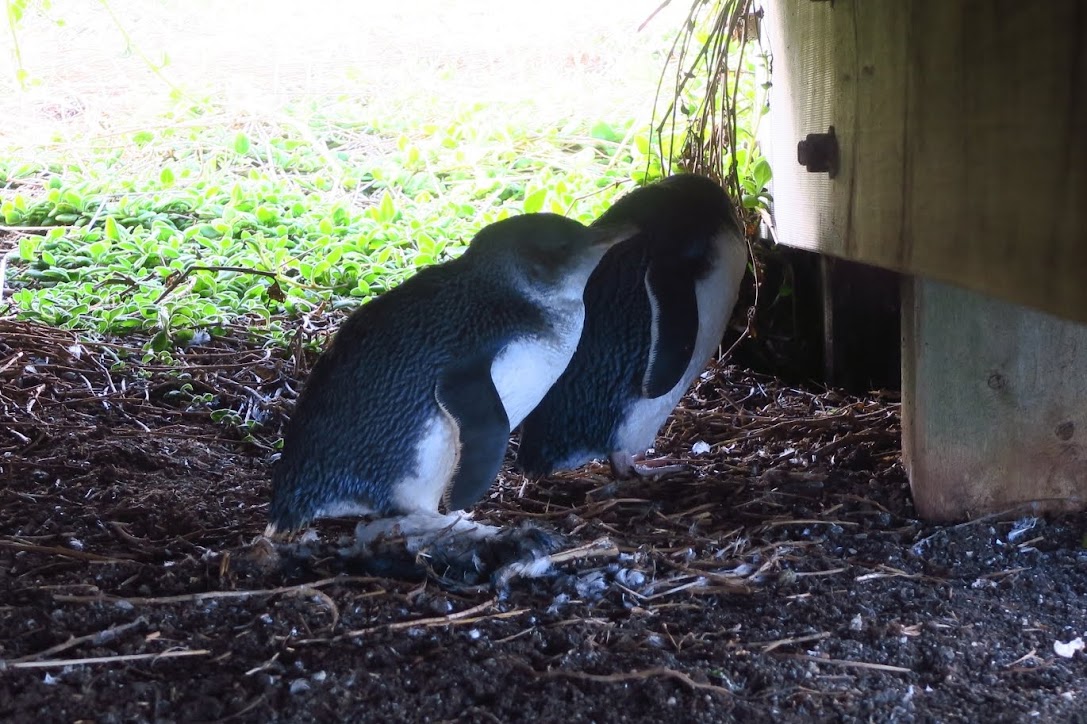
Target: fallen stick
(634,676)
(206,595)
(67,552)
(468,615)
(853,664)
(52,663)
(98,638)
(768,646)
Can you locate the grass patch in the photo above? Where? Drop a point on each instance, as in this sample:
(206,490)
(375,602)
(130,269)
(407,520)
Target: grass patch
(210,214)
(332,208)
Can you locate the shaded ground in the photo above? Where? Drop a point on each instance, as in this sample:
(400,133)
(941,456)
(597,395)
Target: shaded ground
(784,579)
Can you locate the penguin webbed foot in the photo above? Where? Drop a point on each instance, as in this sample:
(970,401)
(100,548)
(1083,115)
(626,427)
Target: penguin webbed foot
(520,552)
(420,531)
(458,553)
(626,466)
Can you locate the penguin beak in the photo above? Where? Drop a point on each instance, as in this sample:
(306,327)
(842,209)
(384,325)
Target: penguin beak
(609,236)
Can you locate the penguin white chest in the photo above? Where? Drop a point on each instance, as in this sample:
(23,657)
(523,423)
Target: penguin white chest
(526,368)
(436,454)
(716,296)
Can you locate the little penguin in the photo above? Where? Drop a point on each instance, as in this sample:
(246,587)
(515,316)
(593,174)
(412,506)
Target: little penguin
(656,309)
(413,402)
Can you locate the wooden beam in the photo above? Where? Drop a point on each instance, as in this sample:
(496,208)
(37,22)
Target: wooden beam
(962,132)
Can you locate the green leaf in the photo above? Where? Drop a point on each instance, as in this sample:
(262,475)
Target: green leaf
(266,215)
(160,342)
(73,199)
(112,232)
(534,202)
(27,246)
(386,209)
(750,201)
(604,132)
(761,173)
(166,176)
(241,144)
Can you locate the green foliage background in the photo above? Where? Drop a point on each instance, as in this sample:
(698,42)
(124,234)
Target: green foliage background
(209,217)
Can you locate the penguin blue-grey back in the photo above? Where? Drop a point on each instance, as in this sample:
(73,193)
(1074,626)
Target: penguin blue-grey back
(414,400)
(656,309)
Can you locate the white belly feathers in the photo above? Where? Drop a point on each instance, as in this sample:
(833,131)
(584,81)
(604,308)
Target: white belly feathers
(526,369)
(716,295)
(436,457)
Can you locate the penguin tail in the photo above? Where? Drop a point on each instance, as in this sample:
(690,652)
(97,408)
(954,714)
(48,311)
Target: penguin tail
(283,518)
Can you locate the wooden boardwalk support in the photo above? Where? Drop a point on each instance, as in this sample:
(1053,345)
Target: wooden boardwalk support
(960,132)
(994,404)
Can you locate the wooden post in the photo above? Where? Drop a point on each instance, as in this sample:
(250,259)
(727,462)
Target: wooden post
(961,137)
(994,410)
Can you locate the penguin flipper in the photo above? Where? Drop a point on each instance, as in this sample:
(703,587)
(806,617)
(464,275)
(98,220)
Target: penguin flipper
(674,328)
(466,392)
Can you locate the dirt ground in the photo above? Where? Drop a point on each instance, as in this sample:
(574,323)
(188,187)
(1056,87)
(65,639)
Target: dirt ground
(784,578)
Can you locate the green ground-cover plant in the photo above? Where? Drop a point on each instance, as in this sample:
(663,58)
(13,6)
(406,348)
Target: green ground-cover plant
(209,216)
(332,210)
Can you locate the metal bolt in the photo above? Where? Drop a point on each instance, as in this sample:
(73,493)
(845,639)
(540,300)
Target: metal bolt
(997,381)
(818,153)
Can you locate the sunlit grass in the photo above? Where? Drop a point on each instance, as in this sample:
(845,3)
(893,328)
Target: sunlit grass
(276,166)
(332,208)
(332,160)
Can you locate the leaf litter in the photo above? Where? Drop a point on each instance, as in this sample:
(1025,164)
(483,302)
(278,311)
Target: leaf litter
(783,575)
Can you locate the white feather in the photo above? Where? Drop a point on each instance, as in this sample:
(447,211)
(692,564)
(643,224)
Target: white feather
(654,330)
(526,369)
(716,296)
(436,458)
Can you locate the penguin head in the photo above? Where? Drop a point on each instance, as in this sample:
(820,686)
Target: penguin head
(552,254)
(678,215)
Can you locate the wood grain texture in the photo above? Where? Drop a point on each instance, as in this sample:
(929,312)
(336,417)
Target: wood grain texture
(963,140)
(994,405)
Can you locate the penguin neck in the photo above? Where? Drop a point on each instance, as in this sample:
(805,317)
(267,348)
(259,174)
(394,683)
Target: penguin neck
(566,296)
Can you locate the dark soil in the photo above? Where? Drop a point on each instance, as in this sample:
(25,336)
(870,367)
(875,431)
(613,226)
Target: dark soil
(785,578)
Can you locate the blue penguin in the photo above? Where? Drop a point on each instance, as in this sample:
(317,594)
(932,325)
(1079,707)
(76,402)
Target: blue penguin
(413,402)
(656,309)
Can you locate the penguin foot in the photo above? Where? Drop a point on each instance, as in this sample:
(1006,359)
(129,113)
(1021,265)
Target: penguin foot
(521,552)
(662,467)
(625,466)
(424,530)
